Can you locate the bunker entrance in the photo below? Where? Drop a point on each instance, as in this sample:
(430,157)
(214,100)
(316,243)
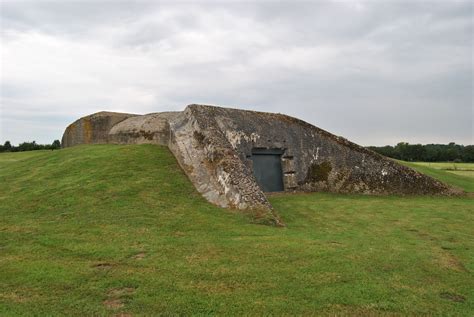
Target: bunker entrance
(267,169)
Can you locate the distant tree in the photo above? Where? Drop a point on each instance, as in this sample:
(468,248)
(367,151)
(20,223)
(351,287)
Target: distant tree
(451,152)
(7,146)
(431,152)
(56,145)
(386,150)
(468,153)
(402,151)
(29,146)
(417,152)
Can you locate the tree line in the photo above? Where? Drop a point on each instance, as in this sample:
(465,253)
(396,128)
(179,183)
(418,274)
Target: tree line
(451,152)
(29,146)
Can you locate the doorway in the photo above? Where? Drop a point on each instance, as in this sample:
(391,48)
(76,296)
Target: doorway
(267,169)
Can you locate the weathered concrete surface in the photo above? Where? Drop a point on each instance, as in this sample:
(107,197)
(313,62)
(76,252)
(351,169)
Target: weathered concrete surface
(213,145)
(150,128)
(93,129)
(313,159)
(214,166)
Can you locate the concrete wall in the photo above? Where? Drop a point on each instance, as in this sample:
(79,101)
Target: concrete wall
(151,128)
(93,129)
(313,159)
(213,145)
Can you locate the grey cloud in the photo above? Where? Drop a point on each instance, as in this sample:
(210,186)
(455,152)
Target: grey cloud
(74,17)
(374,72)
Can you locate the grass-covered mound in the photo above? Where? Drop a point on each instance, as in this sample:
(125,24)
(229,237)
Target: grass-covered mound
(99,230)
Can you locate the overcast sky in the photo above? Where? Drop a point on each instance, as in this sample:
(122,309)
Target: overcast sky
(375,72)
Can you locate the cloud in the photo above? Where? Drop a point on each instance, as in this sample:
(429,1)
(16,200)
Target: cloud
(373,72)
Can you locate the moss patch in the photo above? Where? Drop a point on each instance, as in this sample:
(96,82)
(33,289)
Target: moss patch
(319,172)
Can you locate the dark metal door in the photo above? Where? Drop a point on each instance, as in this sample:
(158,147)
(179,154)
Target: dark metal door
(267,170)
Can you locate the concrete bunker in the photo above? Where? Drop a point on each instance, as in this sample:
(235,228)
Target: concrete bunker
(234,156)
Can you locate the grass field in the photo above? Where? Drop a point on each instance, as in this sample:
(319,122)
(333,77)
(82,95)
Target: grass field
(110,230)
(460,175)
(448,166)
(463,169)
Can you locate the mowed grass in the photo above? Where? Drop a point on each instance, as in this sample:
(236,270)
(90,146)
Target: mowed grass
(449,166)
(463,169)
(109,230)
(460,175)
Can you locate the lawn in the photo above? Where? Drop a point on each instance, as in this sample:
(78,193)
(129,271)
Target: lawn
(109,230)
(449,166)
(463,169)
(460,175)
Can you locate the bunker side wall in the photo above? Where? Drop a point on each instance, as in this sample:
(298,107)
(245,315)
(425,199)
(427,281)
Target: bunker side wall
(313,159)
(92,129)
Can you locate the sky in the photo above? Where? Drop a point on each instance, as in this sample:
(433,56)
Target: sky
(374,72)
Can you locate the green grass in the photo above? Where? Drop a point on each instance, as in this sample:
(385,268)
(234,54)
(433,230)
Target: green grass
(462,177)
(448,166)
(469,174)
(466,170)
(104,230)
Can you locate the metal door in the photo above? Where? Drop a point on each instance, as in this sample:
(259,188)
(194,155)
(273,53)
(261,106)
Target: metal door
(267,169)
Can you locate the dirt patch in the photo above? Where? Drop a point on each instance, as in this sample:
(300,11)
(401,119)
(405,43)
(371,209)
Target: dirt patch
(14,297)
(199,257)
(449,261)
(119,292)
(102,265)
(115,298)
(113,303)
(139,256)
(453,297)
(444,258)
(423,235)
